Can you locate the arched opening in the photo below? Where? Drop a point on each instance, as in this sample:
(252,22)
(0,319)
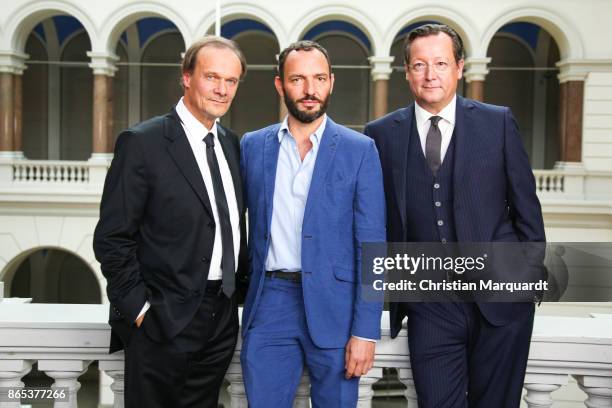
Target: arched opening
(161,46)
(53,275)
(523,76)
(57,91)
(349,49)
(399,90)
(256,104)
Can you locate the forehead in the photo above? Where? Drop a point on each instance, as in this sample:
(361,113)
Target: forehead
(306,61)
(432,46)
(218,59)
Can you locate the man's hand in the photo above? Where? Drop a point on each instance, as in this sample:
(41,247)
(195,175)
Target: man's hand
(140,319)
(359,357)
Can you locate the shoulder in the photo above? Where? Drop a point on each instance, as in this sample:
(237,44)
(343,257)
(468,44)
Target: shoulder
(229,134)
(258,136)
(350,137)
(483,108)
(390,118)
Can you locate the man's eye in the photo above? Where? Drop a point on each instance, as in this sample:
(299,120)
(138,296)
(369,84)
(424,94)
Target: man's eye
(441,64)
(419,66)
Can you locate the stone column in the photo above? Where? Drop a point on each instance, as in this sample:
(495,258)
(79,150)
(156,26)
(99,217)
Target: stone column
(18,116)
(381,71)
(475,71)
(571,110)
(11,69)
(6,113)
(103,65)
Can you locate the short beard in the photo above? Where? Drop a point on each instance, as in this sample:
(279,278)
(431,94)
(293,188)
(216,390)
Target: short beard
(304,116)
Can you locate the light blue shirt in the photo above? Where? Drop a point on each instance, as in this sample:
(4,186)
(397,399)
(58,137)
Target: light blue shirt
(291,188)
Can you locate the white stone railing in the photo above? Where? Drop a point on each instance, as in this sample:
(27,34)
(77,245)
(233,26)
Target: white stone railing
(568,181)
(65,339)
(549,181)
(51,172)
(20,175)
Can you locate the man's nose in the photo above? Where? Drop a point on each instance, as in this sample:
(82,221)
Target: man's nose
(430,72)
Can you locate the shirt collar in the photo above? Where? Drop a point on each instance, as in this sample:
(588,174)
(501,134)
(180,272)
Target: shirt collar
(318,134)
(447,113)
(195,128)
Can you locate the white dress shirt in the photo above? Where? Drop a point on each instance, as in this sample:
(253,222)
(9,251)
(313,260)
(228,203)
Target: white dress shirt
(196,132)
(446,125)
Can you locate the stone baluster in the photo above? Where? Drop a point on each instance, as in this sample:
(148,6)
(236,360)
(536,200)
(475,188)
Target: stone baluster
(405,376)
(365,387)
(597,389)
(66,374)
(115,369)
(11,372)
(540,387)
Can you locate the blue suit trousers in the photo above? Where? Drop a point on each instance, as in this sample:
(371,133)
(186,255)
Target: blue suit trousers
(278,346)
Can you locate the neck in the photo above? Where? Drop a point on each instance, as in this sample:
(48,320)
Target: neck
(302,131)
(207,121)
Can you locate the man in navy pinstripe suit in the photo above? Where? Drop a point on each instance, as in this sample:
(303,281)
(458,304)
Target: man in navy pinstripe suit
(455,171)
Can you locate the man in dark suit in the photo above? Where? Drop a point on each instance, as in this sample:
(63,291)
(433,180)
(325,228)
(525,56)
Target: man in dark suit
(455,170)
(315,193)
(171,238)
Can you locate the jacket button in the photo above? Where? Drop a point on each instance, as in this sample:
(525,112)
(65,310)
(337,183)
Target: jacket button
(205,259)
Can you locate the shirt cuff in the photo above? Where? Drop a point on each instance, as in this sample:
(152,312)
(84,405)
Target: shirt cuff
(364,338)
(144,309)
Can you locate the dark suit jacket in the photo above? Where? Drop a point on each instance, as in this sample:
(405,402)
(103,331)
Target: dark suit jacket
(156,231)
(494,187)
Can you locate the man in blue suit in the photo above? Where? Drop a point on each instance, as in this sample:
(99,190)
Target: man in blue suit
(315,193)
(455,170)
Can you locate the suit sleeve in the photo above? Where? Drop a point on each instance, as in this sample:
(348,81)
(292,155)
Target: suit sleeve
(115,241)
(369,226)
(242,283)
(523,203)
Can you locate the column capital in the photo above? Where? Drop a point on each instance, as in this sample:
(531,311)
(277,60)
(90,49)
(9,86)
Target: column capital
(13,62)
(578,69)
(476,68)
(381,67)
(103,63)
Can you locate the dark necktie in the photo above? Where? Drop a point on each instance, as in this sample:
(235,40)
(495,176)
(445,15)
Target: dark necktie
(227,241)
(433,145)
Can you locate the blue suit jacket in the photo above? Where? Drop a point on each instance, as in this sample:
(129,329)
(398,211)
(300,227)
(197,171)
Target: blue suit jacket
(345,207)
(494,187)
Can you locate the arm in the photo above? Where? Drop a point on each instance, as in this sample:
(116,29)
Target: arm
(115,238)
(369,226)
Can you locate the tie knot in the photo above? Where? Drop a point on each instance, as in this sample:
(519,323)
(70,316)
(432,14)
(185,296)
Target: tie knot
(435,120)
(209,139)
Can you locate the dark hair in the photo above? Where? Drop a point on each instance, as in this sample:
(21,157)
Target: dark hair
(433,29)
(303,45)
(189,60)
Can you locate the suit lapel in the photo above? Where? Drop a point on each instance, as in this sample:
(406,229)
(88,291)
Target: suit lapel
(270,160)
(325,157)
(180,151)
(233,162)
(401,138)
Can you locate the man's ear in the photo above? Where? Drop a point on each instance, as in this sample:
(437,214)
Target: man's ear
(186,80)
(332,78)
(278,84)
